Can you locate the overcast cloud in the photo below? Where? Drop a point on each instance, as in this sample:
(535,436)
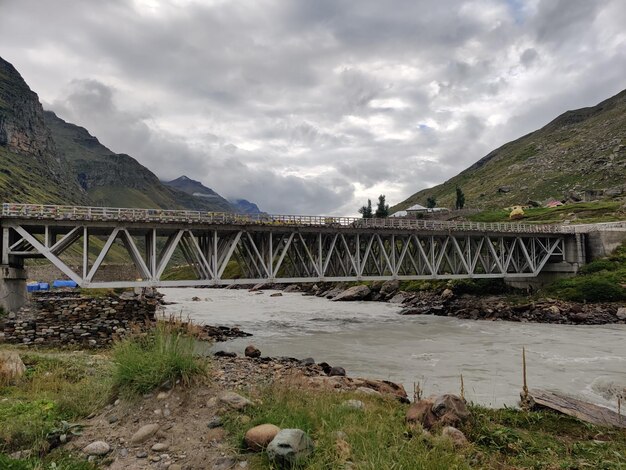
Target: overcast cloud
(314,106)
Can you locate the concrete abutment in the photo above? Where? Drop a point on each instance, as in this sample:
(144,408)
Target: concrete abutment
(12,287)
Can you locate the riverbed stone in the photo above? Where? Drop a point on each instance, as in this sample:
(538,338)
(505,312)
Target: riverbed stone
(160,447)
(97,448)
(11,366)
(252,351)
(621,313)
(337,371)
(450,409)
(290,446)
(353,293)
(144,433)
(259,437)
(421,412)
(389,288)
(455,435)
(234,400)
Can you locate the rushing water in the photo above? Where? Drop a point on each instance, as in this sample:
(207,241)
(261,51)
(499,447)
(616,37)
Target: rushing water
(370,339)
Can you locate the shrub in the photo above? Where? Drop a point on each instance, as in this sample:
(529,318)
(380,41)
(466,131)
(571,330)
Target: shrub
(598,266)
(591,288)
(165,354)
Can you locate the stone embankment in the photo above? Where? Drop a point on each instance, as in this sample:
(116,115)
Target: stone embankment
(67,318)
(448,303)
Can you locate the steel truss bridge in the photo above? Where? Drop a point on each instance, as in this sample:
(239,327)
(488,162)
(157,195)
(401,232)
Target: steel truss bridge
(277,249)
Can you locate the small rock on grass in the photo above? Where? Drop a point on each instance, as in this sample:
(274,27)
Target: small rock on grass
(97,448)
(456,436)
(214,422)
(259,437)
(290,446)
(354,404)
(144,433)
(234,400)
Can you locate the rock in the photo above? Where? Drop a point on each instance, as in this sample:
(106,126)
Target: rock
(144,433)
(290,446)
(11,366)
(621,313)
(214,422)
(554,310)
(325,366)
(234,400)
(353,293)
(457,437)
(450,410)
(259,437)
(292,288)
(337,371)
(505,189)
(389,288)
(368,391)
(421,412)
(398,298)
(224,463)
(141,455)
(160,447)
(260,286)
(175,466)
(112,419)
(354,404)
(225,354)
(276,294)
(447,294)
(308,361)
(97,448)
(195,299)
(252,351)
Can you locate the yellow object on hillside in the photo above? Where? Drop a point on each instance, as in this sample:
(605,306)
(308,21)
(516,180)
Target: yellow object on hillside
(516,213)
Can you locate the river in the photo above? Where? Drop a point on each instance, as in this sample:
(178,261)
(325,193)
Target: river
(370,339)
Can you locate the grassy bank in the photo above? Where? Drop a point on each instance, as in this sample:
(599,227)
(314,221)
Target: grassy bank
(378,438)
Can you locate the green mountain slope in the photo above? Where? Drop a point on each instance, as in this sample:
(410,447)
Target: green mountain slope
(579,151)
(31,169)
(118,180)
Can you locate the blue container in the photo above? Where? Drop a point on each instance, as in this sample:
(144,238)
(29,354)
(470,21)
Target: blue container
(63,283)
(44,286)
(32,287)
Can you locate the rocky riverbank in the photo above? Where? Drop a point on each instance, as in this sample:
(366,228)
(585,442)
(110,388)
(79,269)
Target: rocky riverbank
(445,302)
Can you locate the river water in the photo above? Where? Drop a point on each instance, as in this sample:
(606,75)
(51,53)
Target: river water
(370,339)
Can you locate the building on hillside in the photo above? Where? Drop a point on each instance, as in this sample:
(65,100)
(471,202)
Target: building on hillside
(399,214)
(419,209)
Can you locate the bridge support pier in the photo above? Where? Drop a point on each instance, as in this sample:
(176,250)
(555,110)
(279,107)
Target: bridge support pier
(12,287)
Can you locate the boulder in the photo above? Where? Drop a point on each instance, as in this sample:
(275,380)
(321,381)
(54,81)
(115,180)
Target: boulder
(160,447)
(97,448)
(289,447)
(292,288)
(276,294)
(621,313)
(457,437)
(337,371)
(421,412)
(260,286)
(259,437)
(398,298)
(144,433)
(353,293)
(252,351)
(11,366)
(390,287)
(234,400)
(450,410)
(447,294)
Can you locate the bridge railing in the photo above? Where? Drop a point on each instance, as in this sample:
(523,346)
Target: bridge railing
(53,212)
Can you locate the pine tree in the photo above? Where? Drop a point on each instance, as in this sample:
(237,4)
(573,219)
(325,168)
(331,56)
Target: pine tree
(460,199)
(366,211)
(431,202)
(382,210)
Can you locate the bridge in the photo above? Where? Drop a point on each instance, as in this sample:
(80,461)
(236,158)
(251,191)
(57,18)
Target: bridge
(223,249)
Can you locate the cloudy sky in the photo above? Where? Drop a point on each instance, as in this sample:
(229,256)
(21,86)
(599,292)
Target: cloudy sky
(314,106)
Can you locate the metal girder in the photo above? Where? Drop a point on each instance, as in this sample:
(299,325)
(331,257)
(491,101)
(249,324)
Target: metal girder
(286,254)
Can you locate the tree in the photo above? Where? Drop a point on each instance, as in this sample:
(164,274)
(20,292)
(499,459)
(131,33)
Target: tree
(460,198)
(382,210)
(366,211)
(431,202)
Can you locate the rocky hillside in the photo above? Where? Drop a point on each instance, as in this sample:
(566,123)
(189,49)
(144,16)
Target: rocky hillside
(246,206)
(201,194)
(31,169)
(581,151)
(44,159)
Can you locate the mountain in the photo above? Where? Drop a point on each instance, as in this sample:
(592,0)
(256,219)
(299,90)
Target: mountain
(579,151)
(246,206)
(44,159)
(112,179)
(201,193)
(31,169)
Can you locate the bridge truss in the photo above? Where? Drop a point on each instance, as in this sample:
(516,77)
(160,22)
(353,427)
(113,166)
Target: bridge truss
(226,253)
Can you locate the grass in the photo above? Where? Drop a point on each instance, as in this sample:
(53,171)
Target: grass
(57,387)
(581,212)
(166,354)
(378,437)
(602,280)
(58,461)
